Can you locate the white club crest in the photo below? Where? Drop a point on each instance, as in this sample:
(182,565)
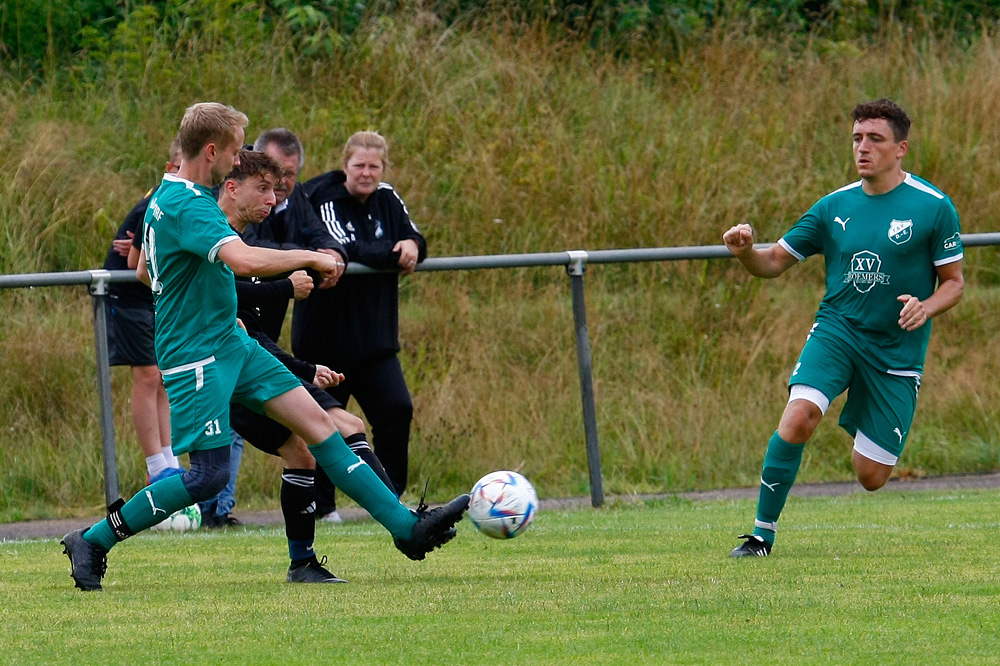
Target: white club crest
(900,231)
(865,271)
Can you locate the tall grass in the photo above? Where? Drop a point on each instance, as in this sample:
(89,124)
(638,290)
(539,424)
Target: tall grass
(505,139)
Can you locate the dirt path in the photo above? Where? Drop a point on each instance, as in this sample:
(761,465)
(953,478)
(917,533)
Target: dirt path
(48,529)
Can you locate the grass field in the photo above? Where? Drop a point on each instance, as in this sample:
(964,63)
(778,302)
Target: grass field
(890,578)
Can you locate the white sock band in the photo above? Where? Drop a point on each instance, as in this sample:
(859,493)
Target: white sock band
(766,526)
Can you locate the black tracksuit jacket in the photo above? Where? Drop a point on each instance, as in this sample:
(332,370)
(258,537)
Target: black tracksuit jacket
(294,227)
(358,319)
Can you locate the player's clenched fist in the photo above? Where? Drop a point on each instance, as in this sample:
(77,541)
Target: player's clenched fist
(913,315)
(739,239)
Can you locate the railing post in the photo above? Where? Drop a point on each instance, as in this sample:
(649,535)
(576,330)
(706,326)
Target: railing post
(575,268)
(99,290)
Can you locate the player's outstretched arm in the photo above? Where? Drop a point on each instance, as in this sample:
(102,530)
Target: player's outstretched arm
(766,263)
(951,285)
(261,261)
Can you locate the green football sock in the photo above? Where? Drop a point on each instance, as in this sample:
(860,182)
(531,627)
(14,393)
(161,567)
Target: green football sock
(359,482)
(146,508)
(781,466)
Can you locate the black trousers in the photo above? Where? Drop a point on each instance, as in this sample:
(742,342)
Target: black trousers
(381,392)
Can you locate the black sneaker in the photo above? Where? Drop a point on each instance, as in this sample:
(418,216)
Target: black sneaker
(434,528)
(312,572)
(87,561)
(754,546)
(210,521)
(215,521)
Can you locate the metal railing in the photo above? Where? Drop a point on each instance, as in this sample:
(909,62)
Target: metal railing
(575,262)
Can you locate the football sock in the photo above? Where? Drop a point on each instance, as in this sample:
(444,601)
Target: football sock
(168,455)
(359,444)
(147,508)
(155,464)
(298,506)
(781,466)
(357,480)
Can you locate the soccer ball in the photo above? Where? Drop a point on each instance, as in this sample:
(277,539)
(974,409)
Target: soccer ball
(182,520)
(503,504)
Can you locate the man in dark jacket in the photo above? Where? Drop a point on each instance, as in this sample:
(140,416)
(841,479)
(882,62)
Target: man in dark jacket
(355,326)
(292,222)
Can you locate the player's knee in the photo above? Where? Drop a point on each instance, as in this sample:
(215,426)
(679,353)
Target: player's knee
(147,377)
(873,480)
(208,475)
(295,454)
(207,484)
(799,421)
(871,475)
(871,484)
(872,464)
(348,424)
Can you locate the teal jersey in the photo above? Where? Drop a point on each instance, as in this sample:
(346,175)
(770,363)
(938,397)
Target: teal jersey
(194,293)
(878,247)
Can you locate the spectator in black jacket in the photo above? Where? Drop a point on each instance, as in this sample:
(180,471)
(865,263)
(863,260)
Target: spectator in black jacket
(292,222)
(354,327)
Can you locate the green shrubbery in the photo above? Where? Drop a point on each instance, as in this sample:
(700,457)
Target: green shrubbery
(38,32)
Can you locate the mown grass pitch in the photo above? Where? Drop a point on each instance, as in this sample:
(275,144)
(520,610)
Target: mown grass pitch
(891,577)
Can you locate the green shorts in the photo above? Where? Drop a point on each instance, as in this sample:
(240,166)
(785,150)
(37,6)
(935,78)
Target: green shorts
(200,392)
(879,404)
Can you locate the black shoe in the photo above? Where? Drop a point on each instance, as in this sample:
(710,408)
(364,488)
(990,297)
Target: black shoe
(754,546)
(211,521)
(87,561)
(229,520)
(312,572)
(434,528)
(214,522)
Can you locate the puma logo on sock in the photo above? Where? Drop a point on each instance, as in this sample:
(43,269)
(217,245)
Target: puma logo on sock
(155,508)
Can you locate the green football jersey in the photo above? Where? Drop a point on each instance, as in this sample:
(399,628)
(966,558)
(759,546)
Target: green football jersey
(878,247)
(194,292)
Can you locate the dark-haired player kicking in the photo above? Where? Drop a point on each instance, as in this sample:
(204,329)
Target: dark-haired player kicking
(246,197)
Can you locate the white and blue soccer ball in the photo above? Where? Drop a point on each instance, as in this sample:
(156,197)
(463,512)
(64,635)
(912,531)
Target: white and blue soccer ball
(182,520)
(503,504)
